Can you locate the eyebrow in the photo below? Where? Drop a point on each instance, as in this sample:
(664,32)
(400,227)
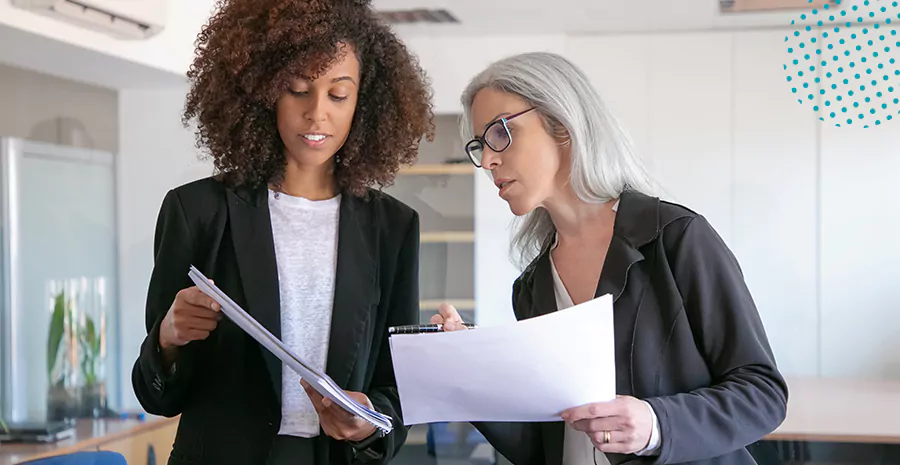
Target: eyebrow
(344,78)
(335,80)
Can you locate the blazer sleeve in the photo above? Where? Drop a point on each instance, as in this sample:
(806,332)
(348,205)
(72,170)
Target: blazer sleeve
(520,443)
(161,391)
(403,308)
(748,396)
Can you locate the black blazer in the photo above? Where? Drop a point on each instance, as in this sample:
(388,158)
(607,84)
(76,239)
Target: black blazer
(227,388)
(688,340)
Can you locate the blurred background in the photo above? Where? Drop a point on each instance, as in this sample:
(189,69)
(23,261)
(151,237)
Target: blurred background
(91,94)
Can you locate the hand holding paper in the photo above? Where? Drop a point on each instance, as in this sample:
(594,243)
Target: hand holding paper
(337,422)
(531,370)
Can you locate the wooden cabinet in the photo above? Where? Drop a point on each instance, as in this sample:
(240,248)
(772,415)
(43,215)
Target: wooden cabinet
(137,448)
(132,438)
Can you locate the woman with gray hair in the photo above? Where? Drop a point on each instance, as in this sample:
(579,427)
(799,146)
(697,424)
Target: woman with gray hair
(696,378)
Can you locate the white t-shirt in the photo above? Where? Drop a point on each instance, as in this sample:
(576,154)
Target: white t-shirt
(305,234)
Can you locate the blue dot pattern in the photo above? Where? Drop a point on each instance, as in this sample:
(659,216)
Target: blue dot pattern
(847,55)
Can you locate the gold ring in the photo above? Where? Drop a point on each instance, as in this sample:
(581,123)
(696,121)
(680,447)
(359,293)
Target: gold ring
(606,437)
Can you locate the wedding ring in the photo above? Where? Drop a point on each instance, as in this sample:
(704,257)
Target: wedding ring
(606,437)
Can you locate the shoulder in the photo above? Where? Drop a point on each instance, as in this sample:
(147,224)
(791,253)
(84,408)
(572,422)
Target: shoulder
(674,218)
(200,190)
(200,201)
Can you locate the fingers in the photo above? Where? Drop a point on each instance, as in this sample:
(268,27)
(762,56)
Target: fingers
(589,411)
(314,395)
(336,422)
(619,442)
(194,296)
(598,424)
(449,317)
(437,319)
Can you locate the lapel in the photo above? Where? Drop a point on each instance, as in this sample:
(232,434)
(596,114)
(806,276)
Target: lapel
(356,285)
(355,279)
(637,223)
(254,248)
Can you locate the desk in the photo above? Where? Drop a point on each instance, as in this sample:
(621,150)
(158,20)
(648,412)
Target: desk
(130,438)
(841,411)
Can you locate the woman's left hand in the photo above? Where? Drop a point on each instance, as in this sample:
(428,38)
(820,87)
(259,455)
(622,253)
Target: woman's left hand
(337,422)
(626,423)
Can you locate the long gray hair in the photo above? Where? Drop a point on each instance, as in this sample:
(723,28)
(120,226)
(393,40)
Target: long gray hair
(603,163)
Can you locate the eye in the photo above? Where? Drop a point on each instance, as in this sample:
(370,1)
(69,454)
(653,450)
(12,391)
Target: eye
(337,98)
(297,93)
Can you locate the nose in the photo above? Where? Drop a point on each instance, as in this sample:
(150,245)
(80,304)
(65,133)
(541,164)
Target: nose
(316,110)
(490,159)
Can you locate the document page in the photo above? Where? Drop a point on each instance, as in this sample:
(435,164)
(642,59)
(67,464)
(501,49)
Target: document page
(319,381)
(527,371)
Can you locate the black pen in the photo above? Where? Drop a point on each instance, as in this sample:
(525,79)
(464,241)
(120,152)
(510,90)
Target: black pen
(417,329)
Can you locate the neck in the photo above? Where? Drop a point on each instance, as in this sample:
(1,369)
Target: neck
(309,182)
(578,221)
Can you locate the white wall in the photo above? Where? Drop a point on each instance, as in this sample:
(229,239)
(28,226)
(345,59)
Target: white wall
(805,208)
(451,62)
(157,153)
(31,105)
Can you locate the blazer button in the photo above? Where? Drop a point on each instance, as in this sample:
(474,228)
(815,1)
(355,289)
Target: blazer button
(158,383)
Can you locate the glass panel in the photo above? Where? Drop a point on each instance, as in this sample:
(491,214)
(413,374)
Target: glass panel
(64,270)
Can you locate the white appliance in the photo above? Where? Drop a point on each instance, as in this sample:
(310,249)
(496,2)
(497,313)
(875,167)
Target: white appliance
(123,19)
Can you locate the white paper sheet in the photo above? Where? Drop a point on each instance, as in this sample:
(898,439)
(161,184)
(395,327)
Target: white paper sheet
(531,370)
(319,381)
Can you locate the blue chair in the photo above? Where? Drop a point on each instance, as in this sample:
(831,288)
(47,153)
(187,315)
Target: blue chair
(83,458)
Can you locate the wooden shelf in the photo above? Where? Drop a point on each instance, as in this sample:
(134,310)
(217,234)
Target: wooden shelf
(460,304)
(447,236)
(438,169)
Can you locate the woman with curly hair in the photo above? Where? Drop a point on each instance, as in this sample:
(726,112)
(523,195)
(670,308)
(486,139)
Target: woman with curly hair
(304,107)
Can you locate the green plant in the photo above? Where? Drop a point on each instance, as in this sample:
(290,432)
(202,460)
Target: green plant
(61,309)
(89,340)
(90,346)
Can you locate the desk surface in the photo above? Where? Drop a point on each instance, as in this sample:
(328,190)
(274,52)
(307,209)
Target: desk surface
(841,410)
(89,435)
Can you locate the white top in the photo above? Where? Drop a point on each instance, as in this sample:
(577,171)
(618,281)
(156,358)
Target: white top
(305,234)
(577,446)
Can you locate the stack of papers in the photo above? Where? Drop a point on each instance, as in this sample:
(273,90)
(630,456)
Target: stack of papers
(528,371)
(319,381)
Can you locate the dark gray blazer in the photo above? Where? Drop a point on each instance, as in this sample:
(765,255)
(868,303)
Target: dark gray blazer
(227,388)
(689,341)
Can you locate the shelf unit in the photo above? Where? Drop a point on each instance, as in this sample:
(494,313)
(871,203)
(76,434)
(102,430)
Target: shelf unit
(441,189)
(437,169)
(460,304)
(434,237)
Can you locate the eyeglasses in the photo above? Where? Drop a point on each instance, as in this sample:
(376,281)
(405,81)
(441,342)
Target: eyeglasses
(496,137)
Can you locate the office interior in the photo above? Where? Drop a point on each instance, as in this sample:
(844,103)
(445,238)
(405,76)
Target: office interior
(92,139)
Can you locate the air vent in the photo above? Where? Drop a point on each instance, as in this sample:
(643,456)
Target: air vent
(418,16)
(748,6)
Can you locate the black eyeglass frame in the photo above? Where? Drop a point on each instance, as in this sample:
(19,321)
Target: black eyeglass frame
(479,142)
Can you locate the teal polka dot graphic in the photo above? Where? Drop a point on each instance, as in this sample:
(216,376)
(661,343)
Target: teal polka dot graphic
(849,55)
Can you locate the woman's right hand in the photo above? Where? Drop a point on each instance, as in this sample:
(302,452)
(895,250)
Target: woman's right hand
(449,317)
(192,316)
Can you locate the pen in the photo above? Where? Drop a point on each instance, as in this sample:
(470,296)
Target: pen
(417,329)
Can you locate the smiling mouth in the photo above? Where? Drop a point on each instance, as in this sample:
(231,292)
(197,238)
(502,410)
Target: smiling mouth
(314,137)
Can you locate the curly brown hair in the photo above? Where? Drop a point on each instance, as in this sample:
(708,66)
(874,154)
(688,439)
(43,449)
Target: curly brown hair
(246,56)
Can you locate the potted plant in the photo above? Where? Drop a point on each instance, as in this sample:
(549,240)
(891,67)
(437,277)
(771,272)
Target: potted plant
(61,400)
(93,395)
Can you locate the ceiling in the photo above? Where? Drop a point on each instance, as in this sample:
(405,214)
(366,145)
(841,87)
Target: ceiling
(583,16)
